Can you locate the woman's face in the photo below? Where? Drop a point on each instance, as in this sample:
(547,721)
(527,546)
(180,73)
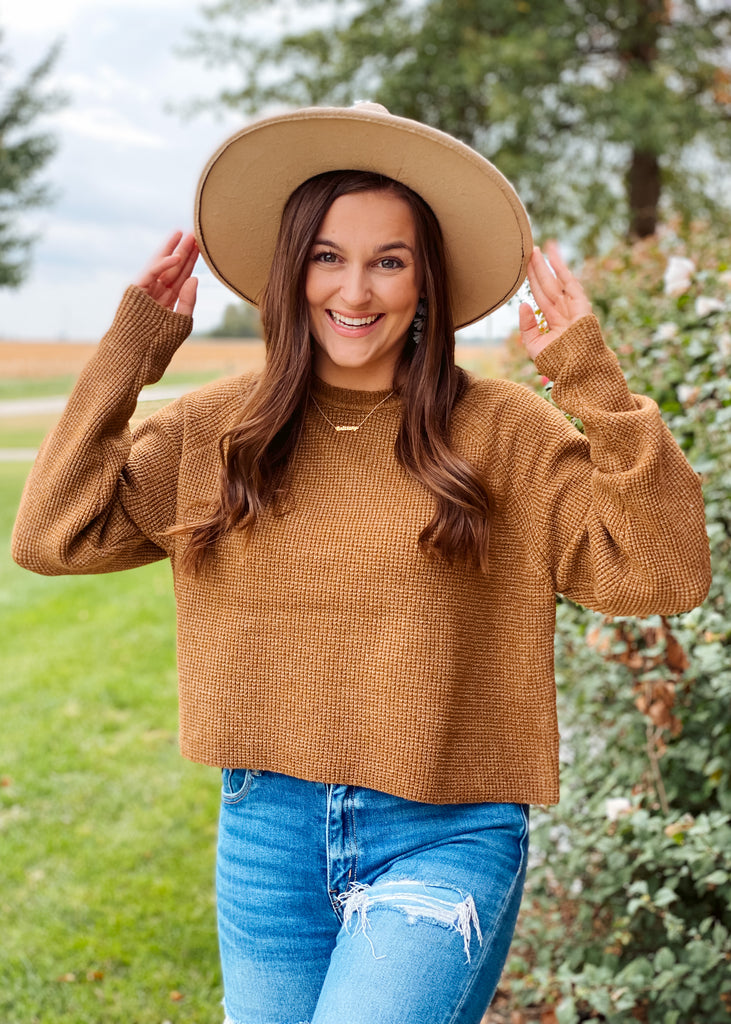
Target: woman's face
(363,283)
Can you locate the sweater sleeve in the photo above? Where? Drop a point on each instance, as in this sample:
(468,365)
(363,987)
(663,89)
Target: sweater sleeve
(616,516)
(97,499)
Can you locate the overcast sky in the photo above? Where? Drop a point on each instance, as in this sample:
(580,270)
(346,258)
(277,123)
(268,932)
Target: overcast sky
(126,169)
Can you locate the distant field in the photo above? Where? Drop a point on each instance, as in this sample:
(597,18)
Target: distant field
(33,360)
(218,358)
(49,369)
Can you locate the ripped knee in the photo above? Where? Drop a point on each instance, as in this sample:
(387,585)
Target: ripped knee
(418,901)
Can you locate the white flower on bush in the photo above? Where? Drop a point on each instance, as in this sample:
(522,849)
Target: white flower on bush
(725,278)
(724,344)
(666,331)
(686,393)
(678,275)
(617,806)
(704,306)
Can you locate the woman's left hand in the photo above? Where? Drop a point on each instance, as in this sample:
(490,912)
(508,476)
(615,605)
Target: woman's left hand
(560,298)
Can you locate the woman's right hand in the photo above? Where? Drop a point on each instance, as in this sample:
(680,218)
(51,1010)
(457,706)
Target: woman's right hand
(167,278)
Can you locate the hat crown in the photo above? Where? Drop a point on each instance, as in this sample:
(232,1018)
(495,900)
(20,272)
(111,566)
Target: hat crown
(369,105)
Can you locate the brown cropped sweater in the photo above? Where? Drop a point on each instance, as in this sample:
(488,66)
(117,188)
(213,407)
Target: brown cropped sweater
(331,648)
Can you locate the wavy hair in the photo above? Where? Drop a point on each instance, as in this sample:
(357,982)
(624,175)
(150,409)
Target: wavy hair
(256,452)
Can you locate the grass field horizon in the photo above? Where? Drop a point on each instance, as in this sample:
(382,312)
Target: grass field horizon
(47,369)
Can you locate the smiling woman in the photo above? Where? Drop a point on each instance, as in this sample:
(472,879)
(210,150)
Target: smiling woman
(362,286)
(367,543)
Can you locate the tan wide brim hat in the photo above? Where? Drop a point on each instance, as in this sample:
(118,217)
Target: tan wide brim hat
(247,181)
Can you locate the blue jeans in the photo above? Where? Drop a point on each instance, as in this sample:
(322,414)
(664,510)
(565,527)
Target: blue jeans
(342,905)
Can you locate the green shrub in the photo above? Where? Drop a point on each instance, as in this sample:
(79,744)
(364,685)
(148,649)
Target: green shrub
(627,914)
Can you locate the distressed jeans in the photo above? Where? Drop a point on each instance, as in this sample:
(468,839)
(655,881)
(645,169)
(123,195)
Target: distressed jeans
(343,905)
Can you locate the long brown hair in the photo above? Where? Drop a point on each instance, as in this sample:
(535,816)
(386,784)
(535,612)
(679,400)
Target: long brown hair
(256,453)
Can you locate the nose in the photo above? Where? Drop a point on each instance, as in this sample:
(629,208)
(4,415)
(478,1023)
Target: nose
(355,286)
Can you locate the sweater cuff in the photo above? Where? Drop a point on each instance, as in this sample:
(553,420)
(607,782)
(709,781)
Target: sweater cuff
(586,374)
(144,334)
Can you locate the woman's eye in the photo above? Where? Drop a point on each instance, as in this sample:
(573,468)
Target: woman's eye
(391,263)
(325,257)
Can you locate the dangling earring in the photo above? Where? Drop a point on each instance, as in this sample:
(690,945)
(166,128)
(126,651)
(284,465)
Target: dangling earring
(419,322)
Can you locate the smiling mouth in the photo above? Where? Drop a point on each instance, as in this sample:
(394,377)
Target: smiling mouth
(353,321)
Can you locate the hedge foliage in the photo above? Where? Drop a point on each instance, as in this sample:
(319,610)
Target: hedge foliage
(627,915)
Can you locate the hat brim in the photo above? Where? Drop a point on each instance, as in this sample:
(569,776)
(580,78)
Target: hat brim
(247,181)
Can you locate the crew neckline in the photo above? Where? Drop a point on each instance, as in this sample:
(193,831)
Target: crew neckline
(346,398)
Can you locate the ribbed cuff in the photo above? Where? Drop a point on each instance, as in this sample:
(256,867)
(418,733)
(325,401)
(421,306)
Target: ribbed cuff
(145,334)
(586,374)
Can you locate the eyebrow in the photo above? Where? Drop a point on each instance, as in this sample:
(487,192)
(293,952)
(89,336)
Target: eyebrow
(381,248)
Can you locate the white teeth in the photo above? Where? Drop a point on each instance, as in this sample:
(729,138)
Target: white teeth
(353,321)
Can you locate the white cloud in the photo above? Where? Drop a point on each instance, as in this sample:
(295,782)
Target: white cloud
(106,125)
(105,84)
(38,16)
(47,16)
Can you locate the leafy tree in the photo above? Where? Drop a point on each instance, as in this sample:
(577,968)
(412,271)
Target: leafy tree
(24,153)
(604,114)
(239,320)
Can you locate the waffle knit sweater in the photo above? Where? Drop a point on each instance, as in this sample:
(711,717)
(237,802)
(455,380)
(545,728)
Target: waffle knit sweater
(330,648)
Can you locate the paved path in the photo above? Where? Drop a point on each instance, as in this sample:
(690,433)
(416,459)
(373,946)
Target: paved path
(57,403)
(17,454)
(32,406)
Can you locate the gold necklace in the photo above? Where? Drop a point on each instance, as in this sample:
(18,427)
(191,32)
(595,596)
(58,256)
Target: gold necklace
(357,426)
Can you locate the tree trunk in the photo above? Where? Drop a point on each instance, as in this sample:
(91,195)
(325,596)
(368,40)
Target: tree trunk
(640,52)
(643,192)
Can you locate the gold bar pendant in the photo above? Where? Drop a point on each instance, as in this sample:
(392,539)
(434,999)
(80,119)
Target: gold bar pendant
(346,428)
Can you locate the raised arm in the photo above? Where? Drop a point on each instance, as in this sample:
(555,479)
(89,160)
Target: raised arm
(95,501)
(616,516)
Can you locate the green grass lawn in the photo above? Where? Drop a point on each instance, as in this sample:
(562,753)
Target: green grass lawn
(44,387)
(107,834)
(25,431)
(36,387)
